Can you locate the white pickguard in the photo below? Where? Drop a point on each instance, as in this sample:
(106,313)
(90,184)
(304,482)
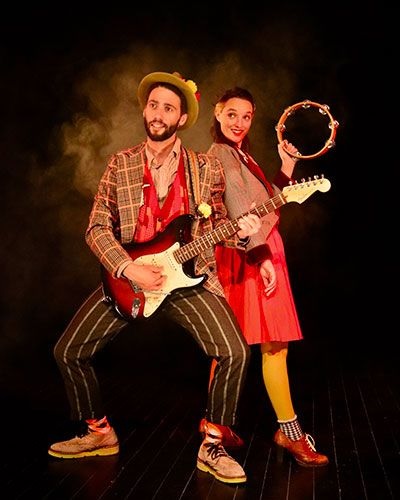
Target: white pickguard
(176,277)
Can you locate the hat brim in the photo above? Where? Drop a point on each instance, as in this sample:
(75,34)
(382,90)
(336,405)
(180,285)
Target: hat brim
(191,101)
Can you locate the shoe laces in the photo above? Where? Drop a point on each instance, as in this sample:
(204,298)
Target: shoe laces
(310,441)
(86,434)
(216,450)
(84,431)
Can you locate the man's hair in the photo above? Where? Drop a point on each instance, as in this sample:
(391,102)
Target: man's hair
(173,89)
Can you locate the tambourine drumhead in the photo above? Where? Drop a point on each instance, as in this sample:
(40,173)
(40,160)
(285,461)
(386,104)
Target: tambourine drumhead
(306,132)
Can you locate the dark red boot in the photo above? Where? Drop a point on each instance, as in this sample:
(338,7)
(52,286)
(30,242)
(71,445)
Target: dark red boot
(229,438)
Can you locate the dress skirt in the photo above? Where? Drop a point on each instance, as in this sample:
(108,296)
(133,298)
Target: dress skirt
(262,318)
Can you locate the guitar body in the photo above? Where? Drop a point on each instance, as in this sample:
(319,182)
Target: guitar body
(173,246)
(132,302)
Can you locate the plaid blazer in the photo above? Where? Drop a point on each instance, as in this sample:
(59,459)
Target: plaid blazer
(242,188)
(119,196)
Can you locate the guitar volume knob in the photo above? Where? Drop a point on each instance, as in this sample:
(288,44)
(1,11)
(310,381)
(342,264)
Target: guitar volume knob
(135,307)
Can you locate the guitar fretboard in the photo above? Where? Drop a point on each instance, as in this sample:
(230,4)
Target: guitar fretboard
(190,250)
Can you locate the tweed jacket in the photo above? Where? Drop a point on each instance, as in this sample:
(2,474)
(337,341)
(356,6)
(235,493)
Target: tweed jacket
(119,196)
(242,189)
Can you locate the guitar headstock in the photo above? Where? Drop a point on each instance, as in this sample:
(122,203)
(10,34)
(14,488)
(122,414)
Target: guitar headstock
(300,191)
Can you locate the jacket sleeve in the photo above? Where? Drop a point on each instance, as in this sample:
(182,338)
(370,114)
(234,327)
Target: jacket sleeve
(237,201)
(281,180)
(103,228)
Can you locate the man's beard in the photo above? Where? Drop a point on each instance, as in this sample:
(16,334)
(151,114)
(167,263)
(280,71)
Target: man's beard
(162,136)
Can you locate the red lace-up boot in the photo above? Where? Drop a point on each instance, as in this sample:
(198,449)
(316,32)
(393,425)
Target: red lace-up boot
(229,438)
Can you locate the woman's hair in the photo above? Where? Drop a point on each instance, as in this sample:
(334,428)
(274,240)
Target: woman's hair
(216,131)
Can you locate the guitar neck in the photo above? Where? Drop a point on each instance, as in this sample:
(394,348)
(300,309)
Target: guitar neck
(195,247)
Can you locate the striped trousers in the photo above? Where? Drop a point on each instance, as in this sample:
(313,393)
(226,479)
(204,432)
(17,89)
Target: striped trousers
(207,317)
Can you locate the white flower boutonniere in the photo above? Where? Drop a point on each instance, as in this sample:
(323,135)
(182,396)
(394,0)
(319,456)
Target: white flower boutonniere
(204,210)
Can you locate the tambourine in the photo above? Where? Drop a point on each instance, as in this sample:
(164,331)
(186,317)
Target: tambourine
(305,105)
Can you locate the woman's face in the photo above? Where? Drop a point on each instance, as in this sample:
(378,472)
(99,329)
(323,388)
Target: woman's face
(235,117)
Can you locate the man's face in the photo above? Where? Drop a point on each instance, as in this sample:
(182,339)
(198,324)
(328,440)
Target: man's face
(162,114)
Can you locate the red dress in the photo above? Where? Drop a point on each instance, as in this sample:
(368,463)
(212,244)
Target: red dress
(262,318)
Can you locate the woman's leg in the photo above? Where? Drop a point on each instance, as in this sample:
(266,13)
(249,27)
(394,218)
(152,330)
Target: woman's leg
(276,379)
(289,436)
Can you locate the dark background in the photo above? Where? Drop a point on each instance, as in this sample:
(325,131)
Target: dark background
(70,74)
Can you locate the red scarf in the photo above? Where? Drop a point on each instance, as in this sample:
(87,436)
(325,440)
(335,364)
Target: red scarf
(255,169)
(153,218)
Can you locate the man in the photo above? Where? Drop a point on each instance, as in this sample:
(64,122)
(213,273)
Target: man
(142,193)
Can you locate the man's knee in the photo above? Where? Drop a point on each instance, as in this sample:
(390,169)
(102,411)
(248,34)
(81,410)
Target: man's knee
(58,354)
(243,354)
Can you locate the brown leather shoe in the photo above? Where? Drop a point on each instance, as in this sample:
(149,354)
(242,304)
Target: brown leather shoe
(302,450)
(229,438)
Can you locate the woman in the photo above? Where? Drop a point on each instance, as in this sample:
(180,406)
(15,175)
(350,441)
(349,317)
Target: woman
(256,281)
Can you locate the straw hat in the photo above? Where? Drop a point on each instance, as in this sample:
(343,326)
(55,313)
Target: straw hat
(187,87)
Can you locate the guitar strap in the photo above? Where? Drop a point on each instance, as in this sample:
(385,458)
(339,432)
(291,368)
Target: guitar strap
(194,176)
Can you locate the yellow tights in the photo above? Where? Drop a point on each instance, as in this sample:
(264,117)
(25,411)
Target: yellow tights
(276,379)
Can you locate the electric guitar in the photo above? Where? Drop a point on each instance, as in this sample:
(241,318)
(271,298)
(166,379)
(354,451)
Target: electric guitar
(170,250)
